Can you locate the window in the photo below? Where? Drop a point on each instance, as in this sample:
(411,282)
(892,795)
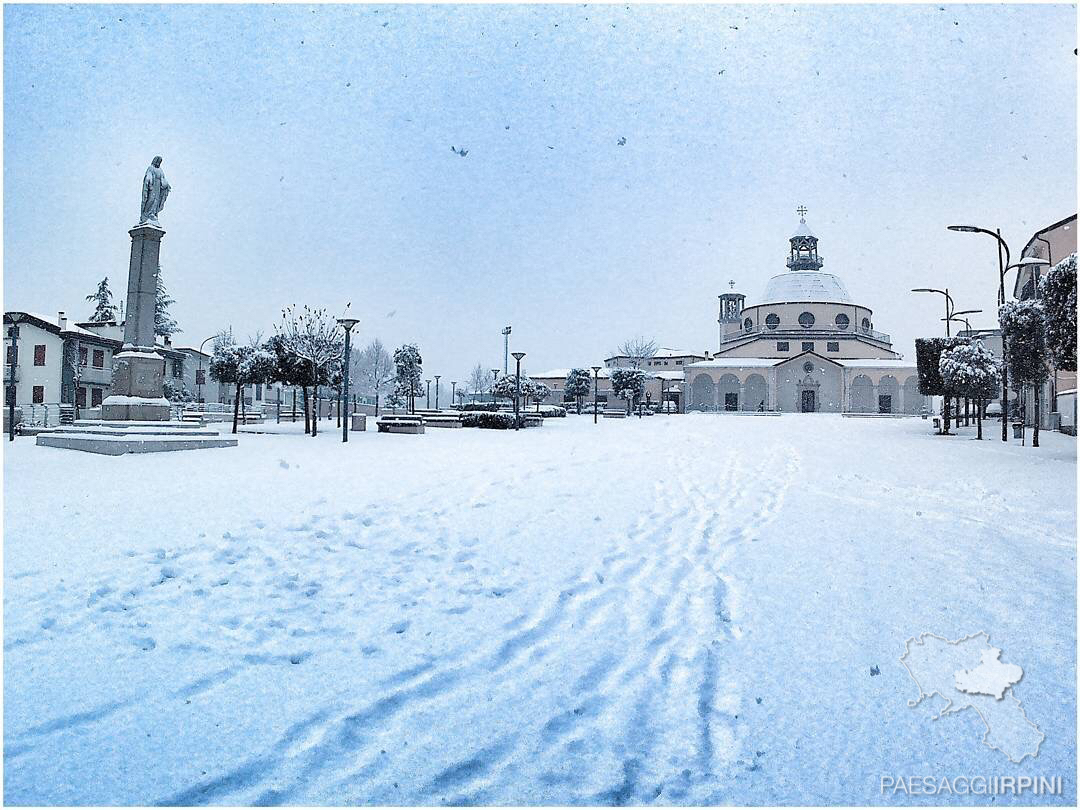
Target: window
(95,397)
(80,397)
(772,320)
(748,324)
(865,323)
(83,352)
(178,368)
(99,358)
(806,320)
(781,345)
(808,346)
(834,346)
(807,366)
(12,355)
(39,354)
(678,362)
(842,321)
(39,394)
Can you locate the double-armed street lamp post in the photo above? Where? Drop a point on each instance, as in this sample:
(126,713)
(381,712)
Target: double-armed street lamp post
(517,390)
(948,305)
(595,390)
(1003,262)
(453,393)
(347,324)
(200,378)
(436,376)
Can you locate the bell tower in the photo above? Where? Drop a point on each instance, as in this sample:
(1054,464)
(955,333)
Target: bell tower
(804,255)
(731,306)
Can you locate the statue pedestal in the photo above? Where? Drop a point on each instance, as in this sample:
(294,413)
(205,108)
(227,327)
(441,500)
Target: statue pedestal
(137,385)
(137,392)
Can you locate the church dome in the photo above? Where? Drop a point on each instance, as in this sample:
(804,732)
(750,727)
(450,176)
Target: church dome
(805,286)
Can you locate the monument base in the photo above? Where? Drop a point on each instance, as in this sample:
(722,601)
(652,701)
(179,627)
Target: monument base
(118,437)
(137,382)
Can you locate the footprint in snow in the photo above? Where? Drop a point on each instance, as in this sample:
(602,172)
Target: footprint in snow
(400,627)
(283,464)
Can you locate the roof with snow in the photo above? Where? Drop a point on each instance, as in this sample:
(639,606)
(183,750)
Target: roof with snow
(802,230)
(52,323)
(768,362)
(805,286)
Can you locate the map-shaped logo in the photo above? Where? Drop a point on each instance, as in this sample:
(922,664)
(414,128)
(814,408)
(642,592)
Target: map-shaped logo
(969,674)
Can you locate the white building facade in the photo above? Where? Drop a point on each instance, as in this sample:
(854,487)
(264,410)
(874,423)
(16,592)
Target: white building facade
(807,346)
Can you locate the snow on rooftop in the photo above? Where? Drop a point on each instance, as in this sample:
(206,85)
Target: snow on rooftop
(811,286)
(802,230)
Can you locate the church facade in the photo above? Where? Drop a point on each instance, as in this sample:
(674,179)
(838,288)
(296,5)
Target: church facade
(807,346)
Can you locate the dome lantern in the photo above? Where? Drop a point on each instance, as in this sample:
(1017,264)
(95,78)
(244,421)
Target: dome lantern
(804,253)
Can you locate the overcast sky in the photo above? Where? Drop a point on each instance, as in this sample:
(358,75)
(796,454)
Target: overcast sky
(309,151)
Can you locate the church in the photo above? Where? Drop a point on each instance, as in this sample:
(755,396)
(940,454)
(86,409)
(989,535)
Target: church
(806,346)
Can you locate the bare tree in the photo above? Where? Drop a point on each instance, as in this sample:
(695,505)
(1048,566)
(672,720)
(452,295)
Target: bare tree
(374,369)
(637,351)
(315,338)
(75,360)
(479,379)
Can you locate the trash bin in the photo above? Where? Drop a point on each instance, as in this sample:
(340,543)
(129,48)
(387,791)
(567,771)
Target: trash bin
(1018,430)
(359,422)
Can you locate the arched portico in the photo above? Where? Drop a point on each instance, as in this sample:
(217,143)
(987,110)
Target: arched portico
(702,393)
(910,395)
(862,395)
(755,393)
(888,395)
(727,391)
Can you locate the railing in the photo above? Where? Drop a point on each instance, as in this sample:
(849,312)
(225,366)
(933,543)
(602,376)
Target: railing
(794,331)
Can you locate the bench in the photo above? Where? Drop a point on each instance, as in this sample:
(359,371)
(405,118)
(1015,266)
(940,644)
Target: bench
(614,414)
(400,424)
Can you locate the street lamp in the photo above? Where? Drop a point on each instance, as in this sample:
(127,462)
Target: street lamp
(1034,263)
(436,376)
(453,393)
(347,324)
(13,333)
(506,348)
(1003,262)
(595,390)
(427,397)
(948,304)
(517,389)
(200,376)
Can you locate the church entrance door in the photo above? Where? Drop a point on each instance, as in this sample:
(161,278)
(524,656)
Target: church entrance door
(731,402)
(808,403)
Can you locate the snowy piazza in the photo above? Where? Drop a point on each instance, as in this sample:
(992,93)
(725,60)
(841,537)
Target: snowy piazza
(520,405)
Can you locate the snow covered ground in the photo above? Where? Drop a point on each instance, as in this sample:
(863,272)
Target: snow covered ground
(681,609)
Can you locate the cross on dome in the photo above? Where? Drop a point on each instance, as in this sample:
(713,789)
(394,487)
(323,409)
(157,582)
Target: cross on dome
(801,210)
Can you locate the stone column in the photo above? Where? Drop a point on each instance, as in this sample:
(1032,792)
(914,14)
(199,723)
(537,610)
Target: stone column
(137,392)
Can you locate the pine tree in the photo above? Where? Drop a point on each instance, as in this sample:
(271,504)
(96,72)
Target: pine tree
(104,309)
(164,325)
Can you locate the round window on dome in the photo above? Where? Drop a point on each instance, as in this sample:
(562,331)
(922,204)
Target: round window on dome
(748,324)
(842,321)
(772,320)
(806,320)
(865,323)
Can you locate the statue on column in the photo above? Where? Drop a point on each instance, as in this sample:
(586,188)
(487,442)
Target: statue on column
(155,190)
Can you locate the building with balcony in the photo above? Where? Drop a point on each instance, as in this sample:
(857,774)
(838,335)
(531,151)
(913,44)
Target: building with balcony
(806,346)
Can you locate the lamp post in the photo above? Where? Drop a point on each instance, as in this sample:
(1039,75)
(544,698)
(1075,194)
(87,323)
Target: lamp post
(453,393)
(436,376)
(1003,262)
(347,324)
(13,333)
(200,377)
(1034,264)
(494,379)
(517,389)
(506,349)
(948,305)
(427,396)
(595,390)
